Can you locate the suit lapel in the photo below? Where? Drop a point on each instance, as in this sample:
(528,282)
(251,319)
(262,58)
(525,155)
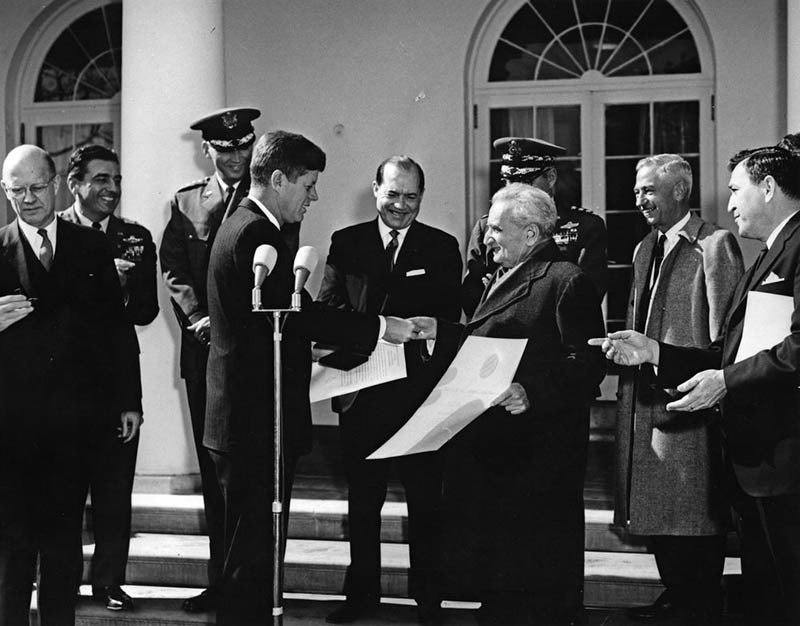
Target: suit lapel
(15,255)
(212,202)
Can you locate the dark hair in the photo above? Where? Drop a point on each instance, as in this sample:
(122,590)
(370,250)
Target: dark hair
(790,142)
(404,163)
(79,160)
(780,163)
(292,154)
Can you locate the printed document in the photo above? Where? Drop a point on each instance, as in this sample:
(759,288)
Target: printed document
(767,322)
(387,362)
(483,368)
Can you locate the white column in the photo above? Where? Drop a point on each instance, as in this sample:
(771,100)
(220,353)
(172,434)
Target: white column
(172,74)
(793,66)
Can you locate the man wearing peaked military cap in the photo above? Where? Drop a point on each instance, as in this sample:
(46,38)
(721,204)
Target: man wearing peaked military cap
(580,234)
(196,212)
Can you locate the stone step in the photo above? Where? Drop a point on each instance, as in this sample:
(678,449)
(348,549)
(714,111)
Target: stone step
(315,566)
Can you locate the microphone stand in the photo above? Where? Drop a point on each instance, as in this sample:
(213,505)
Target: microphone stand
(277,434)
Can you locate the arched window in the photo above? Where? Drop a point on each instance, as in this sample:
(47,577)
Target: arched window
(611,81)
(66,80)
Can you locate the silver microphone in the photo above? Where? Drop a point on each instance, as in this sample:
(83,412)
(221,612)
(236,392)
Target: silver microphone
(264,260)
(305,262)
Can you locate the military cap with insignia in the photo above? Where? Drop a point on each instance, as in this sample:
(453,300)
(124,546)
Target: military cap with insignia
(228,129)
(525,158)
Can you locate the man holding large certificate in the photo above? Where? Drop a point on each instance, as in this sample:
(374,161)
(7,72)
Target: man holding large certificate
(527,453)
(758,394)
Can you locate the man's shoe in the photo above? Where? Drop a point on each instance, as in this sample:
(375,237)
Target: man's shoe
(205,602)
(351,611)
(429,614)
(114,597)
(665,607)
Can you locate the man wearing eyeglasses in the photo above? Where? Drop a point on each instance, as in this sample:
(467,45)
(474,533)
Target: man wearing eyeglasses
(70,372)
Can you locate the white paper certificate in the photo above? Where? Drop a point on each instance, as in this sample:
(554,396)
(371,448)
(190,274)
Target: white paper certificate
(483,367)
(767,322)
(387,362)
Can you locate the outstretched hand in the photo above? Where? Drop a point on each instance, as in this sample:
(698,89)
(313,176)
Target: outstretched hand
(424,327)
(514,399)
(628,347)
(703,391)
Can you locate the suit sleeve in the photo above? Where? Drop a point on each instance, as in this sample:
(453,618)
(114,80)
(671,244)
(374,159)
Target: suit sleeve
(723,268)
(176,269)
(333,291)
(593,258)
(477,267)
(141,293)
(448,277)
(571,380)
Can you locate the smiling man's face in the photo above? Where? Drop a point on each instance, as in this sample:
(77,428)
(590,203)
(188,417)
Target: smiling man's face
(98,193)
(398,197)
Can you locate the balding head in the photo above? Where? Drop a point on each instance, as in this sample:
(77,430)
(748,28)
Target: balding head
(30,183)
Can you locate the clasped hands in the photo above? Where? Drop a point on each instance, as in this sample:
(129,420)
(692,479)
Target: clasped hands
(630,348)
(13,308)
(399,330)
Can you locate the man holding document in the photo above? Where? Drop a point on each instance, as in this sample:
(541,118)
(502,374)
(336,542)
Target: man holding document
(392,265)
(756,388)
(239,411)
(528,451)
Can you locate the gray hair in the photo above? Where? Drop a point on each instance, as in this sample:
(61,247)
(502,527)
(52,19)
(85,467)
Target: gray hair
(529,205)
(673,166)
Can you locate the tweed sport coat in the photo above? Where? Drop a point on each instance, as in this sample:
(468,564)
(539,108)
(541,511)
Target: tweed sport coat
(761,410)
(669,465)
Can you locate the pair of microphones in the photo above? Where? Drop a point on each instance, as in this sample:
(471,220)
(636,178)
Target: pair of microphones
(264,259)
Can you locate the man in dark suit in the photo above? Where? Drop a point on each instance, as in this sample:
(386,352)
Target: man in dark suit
(528,452)
(94,180)
(393,265)
(196,212)
(669,468)
(580,234)
(239,412)
(69,378)
(758,396)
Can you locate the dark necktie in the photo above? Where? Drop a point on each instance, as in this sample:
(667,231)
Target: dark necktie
(228,196)
(97,226)
(46,250)
(391,249)
(652,277)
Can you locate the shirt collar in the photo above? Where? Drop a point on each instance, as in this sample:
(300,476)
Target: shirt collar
(34,238)
(224,186)
(774,234)
(677,227)
(384,231)
(265,211)
(85,221)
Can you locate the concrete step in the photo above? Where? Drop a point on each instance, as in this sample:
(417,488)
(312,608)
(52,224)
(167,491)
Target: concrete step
(315,566)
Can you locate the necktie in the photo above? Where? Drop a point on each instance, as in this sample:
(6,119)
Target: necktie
(46,250)
(97,226)
(652,276)
(391,249)
(228,196)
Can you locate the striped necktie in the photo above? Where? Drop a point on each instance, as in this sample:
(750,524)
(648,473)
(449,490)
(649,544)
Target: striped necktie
(45,250)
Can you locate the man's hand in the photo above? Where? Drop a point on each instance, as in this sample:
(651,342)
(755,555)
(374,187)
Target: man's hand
(627,347)
(705,390)
(123,267)
(399,330)
(424,327)
(13,308)
(514,399)
(130,422)
(202,330)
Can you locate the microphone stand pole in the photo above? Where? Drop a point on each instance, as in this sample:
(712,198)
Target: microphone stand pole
(277,435)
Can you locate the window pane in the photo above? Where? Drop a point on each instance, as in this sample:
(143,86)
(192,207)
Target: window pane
(628,229)
(619,287)
(620,180)
(676,127)
(85,61)
(511,122)
(627,129)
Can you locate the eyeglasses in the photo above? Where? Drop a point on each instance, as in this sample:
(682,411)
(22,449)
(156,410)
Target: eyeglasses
(37,189)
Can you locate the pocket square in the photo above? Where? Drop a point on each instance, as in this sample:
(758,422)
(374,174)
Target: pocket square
(772,277)
(418,272)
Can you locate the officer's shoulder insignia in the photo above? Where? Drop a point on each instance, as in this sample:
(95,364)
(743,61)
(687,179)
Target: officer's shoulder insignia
(200,182)
(132,225)
(569,225)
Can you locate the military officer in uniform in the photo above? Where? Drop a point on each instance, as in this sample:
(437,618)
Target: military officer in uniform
(93,179)
(196,212)
(580,234)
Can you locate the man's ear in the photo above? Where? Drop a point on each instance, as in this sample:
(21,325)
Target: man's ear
(679,191)
(532,235)
(72,184)
(552,177)
(204,146)
(277,179)
(769,186)
(375,187)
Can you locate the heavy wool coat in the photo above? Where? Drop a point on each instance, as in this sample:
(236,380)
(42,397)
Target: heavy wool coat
(669,464)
